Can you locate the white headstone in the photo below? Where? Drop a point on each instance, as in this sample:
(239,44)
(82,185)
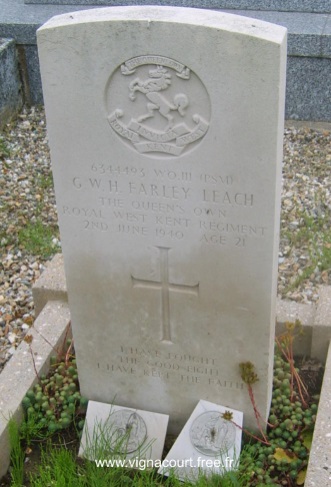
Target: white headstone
(208,443)
(165,127)
(112,432)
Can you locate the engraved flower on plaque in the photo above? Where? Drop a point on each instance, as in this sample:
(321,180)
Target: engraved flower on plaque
(157,105)
(212,435)
(128,431)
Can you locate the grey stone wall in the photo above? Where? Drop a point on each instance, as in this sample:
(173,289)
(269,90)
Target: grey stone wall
(309,42)
(10,85)
(308,89)
(276,5)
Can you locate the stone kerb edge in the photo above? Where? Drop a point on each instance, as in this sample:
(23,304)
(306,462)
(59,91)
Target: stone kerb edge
(322,329)
(51,285)
(48,333)
(319,466)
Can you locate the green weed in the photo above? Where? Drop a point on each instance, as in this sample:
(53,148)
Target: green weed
(16,454)
(37,239)
(45,182)
(301,278)
(4,151)
(32,429)
(59,467)
(314,238)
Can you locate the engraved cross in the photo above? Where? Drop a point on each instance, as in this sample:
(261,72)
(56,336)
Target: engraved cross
(165,287)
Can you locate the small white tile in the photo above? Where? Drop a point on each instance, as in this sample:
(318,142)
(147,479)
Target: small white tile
(132,434)
(207,444)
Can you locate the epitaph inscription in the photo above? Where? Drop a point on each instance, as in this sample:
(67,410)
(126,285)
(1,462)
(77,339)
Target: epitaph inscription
(164,107)
(170,367)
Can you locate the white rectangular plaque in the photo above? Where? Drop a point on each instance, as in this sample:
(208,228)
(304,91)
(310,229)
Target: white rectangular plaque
(115,432)
(209,443)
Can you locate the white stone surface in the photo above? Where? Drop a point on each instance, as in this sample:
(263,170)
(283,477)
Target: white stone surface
(132,434)
(207,444)
(170,254)
(319,467)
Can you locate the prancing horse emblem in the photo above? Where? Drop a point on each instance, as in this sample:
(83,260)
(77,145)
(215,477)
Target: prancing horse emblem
(159,80)
(164,107)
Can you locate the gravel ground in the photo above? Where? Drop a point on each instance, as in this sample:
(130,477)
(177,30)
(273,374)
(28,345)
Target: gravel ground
(29,233)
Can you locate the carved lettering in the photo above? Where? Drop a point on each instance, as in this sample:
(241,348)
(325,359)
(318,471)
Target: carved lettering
(215,239)
(92,225)
(122,369)
(213,179)
(96,184)
(156,373)
(163,365)
(190,358)
(236,199)
(163,191)
(157,207)
(77,183)
(226,383)
(130,217)
(215,226)
(113,202)
(202,370)
(170,366)
(132,229)
(173,234)
(190,379)
(220,213)
(171,221)
(173,175)
(86,212)
(128,360)
(140,351)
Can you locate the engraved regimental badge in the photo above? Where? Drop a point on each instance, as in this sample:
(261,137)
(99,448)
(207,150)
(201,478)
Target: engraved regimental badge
(128,431)
(157,105)
(212,435)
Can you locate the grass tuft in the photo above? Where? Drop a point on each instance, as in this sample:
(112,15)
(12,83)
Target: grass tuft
(16,454)
(4,151)
(37,239)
